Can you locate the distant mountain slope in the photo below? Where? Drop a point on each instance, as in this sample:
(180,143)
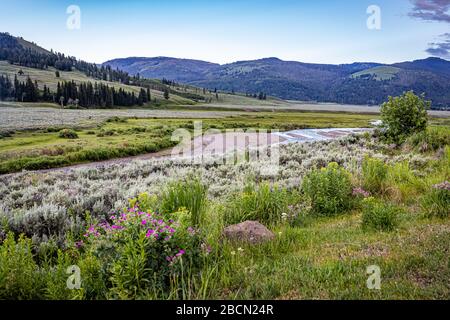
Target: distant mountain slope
(435,65)
(356,83)
(181,70)
(32,46)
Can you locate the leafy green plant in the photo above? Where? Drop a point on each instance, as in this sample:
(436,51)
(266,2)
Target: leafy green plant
(190,194)
(6,134)
(329,190)
(380,216)
(404,115)
(56,278)
(374,174)
(264,203)
(68,134)
(19,278)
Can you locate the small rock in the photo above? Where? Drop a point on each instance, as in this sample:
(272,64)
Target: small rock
(248,231)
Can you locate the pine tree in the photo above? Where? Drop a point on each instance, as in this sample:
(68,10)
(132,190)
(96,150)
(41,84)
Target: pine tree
(149,96)
(166,94)
(142,98)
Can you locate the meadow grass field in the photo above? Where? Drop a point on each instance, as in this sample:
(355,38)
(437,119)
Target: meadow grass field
(77,217)
(154,228)
(120,137)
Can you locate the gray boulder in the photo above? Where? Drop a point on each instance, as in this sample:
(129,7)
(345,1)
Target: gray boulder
(249,231)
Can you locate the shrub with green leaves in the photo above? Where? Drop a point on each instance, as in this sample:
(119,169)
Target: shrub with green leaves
(68,134)
(329,190)
(19,278)
(436,203)
(379,215)
(404,115)
(6,134)
(374,175)
(263,203)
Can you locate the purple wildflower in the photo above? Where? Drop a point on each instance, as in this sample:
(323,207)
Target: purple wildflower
(442,186)
(180,253)
(79,244)
(360,192)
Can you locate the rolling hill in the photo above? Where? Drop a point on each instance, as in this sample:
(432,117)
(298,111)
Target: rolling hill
(356,83)
(21,59)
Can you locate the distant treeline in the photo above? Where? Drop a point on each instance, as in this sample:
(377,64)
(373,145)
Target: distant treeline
(86,95)
(90,95)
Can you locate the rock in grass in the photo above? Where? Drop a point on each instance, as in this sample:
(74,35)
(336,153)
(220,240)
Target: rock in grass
(249,231)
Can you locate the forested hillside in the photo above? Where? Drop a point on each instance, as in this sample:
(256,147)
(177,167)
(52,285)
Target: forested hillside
(29,73)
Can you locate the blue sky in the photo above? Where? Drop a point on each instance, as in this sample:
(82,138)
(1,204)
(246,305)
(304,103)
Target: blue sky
(222,31)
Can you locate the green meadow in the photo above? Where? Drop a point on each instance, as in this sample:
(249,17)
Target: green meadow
(121,137)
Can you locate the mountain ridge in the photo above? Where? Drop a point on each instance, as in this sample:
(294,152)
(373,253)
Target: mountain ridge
(355,83)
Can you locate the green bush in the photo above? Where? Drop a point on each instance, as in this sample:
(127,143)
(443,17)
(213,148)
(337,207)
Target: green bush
(436,203)
(52,129)
(262,203)
(329,190)
(68,134)
(117,119)
(106,133)
(190,194)
(19,278)
(380,216)
(56,278)
(403,116)
(374,175)
(6,134)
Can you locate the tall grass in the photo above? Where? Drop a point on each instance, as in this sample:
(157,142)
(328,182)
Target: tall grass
(374,175)
(432,139)
(263,203)
(379,215)
(190,194)
(436,203)
(402,184)
(329,190)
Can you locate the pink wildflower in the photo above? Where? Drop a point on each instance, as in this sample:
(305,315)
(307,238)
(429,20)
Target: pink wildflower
(360,192)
